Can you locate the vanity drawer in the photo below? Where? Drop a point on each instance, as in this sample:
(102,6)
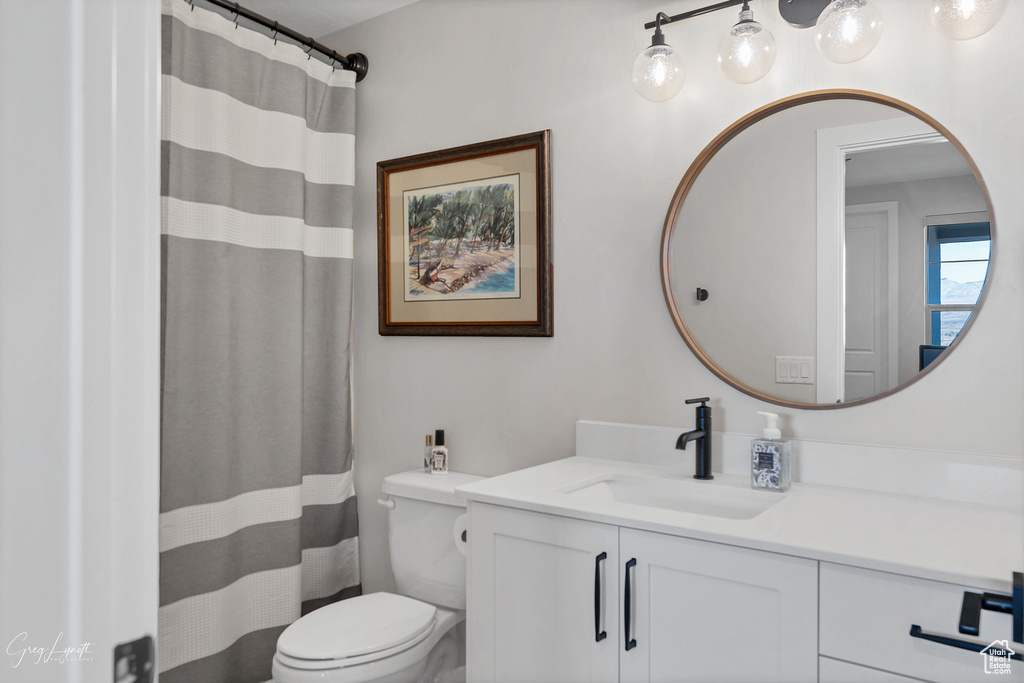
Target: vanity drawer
(835,671)
(866,615)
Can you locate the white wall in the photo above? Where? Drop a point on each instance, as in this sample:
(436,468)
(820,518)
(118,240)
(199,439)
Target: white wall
(450,72)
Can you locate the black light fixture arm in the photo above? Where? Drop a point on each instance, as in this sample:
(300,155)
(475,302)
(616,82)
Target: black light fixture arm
(356,61)
(658,38)
(663,18)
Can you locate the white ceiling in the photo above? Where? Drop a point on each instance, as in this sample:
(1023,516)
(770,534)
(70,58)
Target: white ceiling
(317,18)
(905,163)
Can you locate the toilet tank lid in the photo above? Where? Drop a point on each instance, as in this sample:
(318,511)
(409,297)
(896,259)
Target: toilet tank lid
(433,488)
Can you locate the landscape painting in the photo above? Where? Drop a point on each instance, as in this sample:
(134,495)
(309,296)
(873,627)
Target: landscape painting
(462,241)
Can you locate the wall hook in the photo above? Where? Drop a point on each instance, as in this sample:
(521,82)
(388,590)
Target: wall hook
(702,294)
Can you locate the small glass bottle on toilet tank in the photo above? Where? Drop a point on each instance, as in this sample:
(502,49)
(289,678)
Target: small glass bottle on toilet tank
(439,454)
(769,458)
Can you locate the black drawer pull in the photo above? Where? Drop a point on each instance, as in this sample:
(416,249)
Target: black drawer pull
(599,635)
(1013,604)
(916,632)
(630,642)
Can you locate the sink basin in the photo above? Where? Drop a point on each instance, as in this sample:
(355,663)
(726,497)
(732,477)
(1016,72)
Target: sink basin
(698,497)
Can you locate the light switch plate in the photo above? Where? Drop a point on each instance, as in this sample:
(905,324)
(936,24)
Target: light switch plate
(794,369)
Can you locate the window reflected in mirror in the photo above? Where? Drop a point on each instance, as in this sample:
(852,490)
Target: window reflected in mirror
(958,256)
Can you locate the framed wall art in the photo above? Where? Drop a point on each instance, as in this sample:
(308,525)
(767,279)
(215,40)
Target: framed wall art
(464,242)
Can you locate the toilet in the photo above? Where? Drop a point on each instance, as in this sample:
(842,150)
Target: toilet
(408,637)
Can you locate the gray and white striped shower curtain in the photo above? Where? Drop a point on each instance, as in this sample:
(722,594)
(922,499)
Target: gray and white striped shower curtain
(257,509)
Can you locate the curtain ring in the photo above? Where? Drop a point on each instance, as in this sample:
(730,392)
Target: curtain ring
(309,52)
(334,59)
(275,33)
(236,16)
(192,5)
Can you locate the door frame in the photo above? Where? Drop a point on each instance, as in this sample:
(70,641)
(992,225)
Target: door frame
(833,145)
(80,314)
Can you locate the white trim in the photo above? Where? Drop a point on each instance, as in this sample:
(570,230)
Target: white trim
(80,313)
(956,218)
(218,223)
(198,523)
(268,139)
(833,145)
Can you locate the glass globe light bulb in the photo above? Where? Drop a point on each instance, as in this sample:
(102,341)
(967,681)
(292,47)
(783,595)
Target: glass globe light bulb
(964,19)
(747,51)
(658,72)
(847,30)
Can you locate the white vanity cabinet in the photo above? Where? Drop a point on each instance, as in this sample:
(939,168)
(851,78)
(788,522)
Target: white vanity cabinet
(710,612)
(540,598)
(531,601)
(822,583)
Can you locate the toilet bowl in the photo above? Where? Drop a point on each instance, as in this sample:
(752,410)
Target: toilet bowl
(409,637)
(383,638)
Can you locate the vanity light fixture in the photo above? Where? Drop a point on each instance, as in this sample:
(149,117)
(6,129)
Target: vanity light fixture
(747,51)
(964,19)
(658,71)
(845,31)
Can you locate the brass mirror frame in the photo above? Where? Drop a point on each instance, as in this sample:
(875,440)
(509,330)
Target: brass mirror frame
(702,160)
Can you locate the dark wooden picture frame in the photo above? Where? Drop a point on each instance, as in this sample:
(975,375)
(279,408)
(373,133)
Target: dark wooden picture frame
(464,240)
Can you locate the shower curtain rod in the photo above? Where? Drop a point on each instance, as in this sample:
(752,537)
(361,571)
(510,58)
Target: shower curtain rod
(356,61)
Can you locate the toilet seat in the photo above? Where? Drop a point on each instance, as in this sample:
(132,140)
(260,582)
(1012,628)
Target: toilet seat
(363,629)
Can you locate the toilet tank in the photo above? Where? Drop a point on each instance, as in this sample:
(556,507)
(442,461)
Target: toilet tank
(425,560)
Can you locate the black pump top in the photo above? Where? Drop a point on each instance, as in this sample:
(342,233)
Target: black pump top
(701,401)
(438,437)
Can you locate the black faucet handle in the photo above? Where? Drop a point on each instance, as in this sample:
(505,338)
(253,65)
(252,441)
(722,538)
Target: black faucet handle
(701,401)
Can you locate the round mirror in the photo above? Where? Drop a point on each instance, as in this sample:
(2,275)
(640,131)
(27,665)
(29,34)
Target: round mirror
(827,250)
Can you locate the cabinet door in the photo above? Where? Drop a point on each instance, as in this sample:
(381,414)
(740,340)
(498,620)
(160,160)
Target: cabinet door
(709,612)
(531,609)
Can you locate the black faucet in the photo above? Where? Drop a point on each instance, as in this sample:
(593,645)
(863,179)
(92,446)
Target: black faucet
(702,435)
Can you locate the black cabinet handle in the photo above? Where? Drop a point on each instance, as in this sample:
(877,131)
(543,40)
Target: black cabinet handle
(1013,604)
(599,635)
(916,632)
(630,643)
(970,614)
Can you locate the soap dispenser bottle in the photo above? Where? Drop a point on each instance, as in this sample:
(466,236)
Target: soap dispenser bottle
(769,458)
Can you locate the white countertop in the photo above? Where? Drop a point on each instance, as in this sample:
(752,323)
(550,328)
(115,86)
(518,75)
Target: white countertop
(964,543)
